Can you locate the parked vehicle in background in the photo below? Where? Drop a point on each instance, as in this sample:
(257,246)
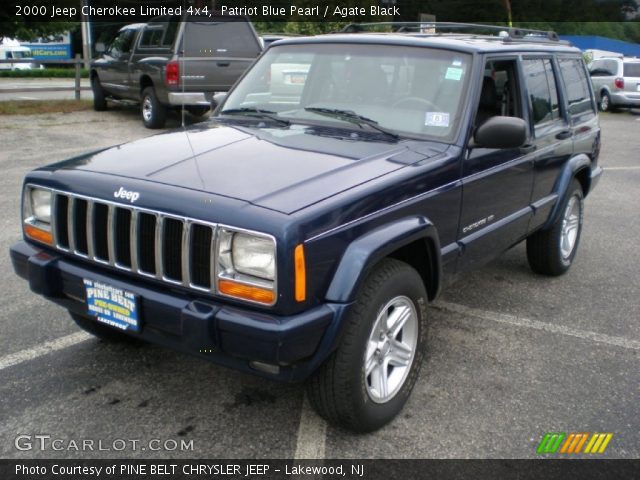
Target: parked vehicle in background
(170,63)
(616,82)
(16,53)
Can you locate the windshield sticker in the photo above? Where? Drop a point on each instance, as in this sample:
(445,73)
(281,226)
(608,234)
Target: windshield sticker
(453,73)
(436,119)
(457,62)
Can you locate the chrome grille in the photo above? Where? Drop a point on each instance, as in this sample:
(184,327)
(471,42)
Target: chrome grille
(174,249)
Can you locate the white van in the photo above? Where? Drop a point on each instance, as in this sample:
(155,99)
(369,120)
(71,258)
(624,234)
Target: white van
(15,53)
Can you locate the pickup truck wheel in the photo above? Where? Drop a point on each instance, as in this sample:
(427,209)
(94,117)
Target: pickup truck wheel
(99,97)
(605,102)
(551,252)
(154,114)
(103,332)
(368,379)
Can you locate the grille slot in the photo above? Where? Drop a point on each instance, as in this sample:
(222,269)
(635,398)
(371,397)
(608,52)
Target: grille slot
(100,231)
(79,213)
(146,243)
(201,247)
(122,236)
(61,221)
(173,249)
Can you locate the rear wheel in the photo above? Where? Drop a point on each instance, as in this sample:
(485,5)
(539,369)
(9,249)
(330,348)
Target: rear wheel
(605,102)
(103,332)
(99,96)
(154,113)
(551,251)
(368,379)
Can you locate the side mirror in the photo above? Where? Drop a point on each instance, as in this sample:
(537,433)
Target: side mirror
(100,47)
(217,99)
(501,132)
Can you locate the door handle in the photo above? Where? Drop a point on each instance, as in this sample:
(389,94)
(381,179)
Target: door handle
(223,64)
(563,135)
(528,148)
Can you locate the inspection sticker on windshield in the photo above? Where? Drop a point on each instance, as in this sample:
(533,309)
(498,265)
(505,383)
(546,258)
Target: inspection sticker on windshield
(436,119)
(453,73)
(113,306)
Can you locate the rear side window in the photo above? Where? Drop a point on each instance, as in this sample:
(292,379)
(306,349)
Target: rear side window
(577,87)
(159,35)
(632,69)
(541,86)
(220,38)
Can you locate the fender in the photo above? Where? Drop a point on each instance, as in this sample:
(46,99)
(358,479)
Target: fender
(363,253)
(569,171)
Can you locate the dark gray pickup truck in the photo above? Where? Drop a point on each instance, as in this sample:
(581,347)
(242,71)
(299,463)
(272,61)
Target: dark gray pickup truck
(171,63)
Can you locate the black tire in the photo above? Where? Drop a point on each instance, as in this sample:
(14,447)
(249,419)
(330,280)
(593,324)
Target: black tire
(154,113)
(340,389)
(99,96)
(198,111)
(605,102)
(544,248)
(103,332)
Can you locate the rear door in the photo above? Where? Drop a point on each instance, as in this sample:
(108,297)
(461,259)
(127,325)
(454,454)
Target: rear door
(552,134)
(215,53)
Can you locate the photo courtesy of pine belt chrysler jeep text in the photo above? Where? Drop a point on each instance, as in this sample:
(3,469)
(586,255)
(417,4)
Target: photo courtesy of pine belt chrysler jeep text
(301,233)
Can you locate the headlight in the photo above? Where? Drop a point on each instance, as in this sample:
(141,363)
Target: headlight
(246,265)
(41,205)
(36,208)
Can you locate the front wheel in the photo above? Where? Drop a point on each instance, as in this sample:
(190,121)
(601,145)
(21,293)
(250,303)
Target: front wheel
(99,96)
(154,113)
(368,379)
(551,251)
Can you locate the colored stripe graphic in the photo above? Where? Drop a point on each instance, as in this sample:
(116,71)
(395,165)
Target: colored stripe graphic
(550,442)
(573,443)
(598,443)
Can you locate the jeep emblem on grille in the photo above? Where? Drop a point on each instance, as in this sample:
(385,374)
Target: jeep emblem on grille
(125,194)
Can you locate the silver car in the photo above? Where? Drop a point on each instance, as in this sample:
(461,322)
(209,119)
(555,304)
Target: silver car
(616,82)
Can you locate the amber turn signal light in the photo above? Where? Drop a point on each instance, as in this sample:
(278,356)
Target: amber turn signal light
(38,234)
(246,292)
(301,274)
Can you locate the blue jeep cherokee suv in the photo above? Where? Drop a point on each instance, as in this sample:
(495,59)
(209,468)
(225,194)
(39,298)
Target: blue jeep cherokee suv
(303,230)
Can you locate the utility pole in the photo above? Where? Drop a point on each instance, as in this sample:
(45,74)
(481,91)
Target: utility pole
(86,36)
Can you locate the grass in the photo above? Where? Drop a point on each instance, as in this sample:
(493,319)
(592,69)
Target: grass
(35,107)
(44,73)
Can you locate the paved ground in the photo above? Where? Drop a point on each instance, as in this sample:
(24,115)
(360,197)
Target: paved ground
(13,88)
(512,355)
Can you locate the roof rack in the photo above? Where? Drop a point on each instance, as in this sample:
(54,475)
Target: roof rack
(435,28)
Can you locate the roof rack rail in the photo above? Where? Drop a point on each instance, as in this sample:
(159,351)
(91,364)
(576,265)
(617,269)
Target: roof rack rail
(510,33)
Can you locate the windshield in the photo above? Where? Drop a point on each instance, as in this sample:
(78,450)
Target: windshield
(410,91)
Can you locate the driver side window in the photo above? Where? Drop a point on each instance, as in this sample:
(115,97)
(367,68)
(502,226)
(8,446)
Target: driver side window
(121,45)
(499,95)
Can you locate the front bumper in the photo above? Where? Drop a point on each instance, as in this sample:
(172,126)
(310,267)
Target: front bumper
(222,334)
(188,98)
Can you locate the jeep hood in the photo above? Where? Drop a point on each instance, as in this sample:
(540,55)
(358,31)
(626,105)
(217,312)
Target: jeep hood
(280,169)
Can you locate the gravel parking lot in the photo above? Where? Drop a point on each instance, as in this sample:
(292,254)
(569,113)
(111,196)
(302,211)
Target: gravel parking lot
(512,355)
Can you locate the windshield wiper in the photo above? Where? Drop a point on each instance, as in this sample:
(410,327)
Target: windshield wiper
(257,113)
(353,117)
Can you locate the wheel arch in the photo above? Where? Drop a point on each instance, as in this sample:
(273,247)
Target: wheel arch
(413,240)
(579,168)
(145,81)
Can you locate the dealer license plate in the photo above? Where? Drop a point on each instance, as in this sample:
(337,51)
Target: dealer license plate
(113,306)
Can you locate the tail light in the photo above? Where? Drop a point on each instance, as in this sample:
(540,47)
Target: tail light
(172,73)
(619,83)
